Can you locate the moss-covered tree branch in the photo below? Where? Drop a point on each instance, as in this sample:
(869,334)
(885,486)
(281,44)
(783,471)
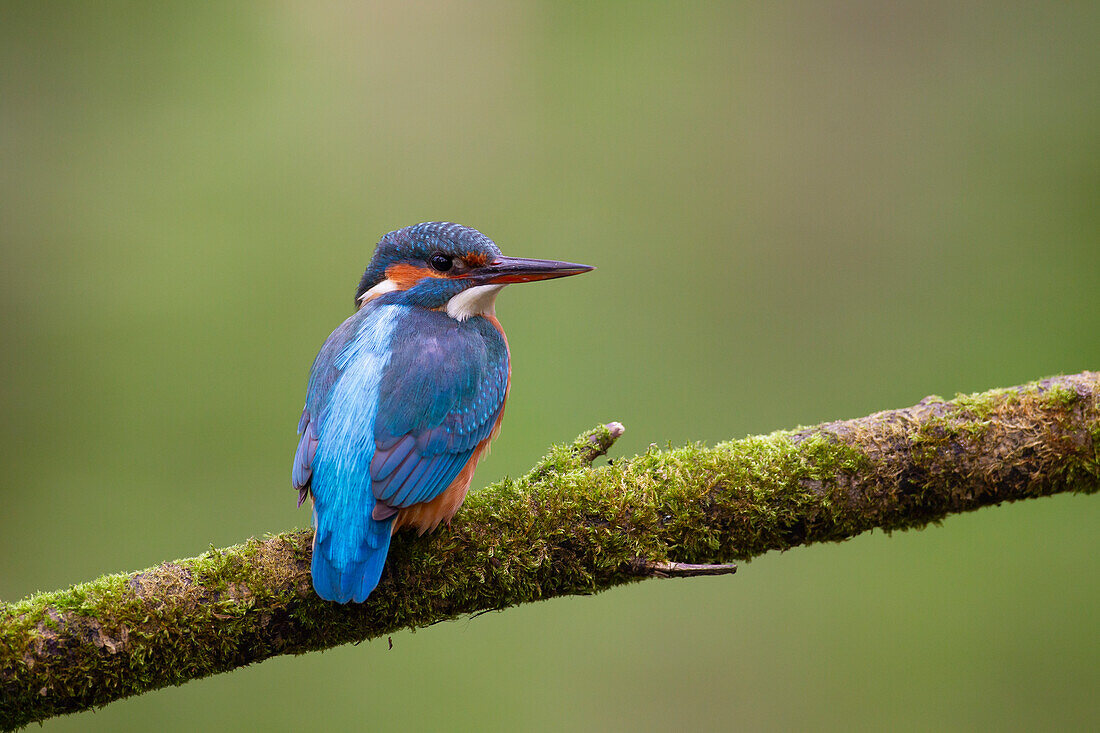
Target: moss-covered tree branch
(564,528)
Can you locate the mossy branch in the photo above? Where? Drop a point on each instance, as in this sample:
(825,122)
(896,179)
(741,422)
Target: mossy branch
(564,528)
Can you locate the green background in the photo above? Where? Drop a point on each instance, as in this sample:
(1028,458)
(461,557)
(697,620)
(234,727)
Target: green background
(798,213)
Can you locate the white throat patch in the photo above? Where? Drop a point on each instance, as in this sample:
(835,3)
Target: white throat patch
(386,286)
(475,301)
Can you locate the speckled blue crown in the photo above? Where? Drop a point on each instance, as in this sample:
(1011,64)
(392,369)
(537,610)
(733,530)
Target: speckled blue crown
(417,242)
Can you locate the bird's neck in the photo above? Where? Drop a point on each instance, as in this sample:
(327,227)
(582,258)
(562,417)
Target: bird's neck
(479,300)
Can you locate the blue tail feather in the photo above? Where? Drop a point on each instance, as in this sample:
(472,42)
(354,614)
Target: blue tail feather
(343,576)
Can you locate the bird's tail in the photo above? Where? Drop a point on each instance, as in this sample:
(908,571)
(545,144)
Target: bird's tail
(347,568)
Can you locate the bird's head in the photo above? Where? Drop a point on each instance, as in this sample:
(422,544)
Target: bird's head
(449,267)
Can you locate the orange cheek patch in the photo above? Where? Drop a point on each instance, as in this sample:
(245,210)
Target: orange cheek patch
(405,275)
(476,259)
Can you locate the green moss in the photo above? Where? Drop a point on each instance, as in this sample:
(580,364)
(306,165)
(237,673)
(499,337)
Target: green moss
(967,416)
(1060,397)
(830,457)
(980,405)
(564,528)
(565,457)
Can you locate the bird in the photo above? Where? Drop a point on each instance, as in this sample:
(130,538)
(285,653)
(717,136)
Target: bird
(405,397)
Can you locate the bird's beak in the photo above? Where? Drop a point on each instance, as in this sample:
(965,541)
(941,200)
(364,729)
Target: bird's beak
(504,270)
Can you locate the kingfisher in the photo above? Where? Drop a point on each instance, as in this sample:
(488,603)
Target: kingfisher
(405,397)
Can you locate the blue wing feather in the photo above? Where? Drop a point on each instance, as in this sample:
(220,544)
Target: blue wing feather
(390,454)
(303,457)
(398,400)
(445,386)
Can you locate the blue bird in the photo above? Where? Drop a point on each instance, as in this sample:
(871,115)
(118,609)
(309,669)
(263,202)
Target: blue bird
(405,397)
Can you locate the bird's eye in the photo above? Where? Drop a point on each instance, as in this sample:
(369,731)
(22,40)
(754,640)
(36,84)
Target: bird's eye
(440,262)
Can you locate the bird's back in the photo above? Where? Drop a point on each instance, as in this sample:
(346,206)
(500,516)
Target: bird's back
(401,404)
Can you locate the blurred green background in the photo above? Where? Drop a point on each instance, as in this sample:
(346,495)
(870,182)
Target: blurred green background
(799,213)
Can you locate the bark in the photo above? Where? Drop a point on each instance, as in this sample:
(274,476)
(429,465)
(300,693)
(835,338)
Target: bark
(564,528)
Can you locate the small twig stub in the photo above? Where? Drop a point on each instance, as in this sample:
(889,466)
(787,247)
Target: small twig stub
(667,569)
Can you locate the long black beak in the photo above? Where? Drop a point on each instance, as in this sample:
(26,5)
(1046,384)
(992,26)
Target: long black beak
(504,270)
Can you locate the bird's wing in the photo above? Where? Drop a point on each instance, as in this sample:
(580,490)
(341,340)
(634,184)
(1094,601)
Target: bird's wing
(302,472)
(326,370)
(441,395)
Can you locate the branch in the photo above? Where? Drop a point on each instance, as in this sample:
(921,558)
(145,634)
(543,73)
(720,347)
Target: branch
(564,528)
